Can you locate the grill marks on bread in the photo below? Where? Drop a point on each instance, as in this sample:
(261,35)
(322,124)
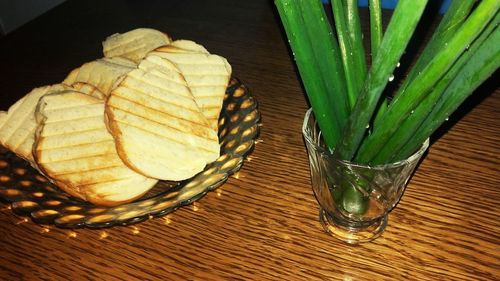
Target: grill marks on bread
(134,44)
(18,124)
(119,123)
(158,127)
(75,149)
(184,46)
(103,74)
(207,76)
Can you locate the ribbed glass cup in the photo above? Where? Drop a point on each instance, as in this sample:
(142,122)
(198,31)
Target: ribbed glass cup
(354,199)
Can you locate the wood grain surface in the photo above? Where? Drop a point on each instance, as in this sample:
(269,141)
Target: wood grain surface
(263,223)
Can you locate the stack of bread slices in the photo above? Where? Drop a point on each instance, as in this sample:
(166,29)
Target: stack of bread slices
(147,111)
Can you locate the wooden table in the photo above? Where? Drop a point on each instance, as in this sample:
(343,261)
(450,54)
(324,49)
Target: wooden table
(263,223)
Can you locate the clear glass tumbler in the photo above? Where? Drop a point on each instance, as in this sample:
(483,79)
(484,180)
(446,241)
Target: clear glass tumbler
(354,199)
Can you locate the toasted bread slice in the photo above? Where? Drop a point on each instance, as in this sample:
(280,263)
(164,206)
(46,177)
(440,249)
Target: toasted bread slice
(206,75)
(134,44)
(74,148)
(120,61)
(88,89)
(183,46)
(103,73)
(18,125)
(159,130)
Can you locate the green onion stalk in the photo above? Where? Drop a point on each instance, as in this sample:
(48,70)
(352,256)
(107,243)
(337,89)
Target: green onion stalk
(318,63)
(481,65)
(392,47)
(407,101)
(347,95)
(475,60)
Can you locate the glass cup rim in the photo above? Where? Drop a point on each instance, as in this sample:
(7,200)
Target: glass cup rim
(307,136)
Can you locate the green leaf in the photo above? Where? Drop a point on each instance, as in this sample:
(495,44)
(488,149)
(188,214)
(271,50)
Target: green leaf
(481,65)
(405,133)
(423,83)
(376,31)
(356,42)
(456,14)
(347,51)
(312,71)
(393,44)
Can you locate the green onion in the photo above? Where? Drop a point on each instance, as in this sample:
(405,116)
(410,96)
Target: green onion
(317,65)
(346,51)
(457,12)
(421,86)
(406,132)
(396,38)
(357,51)
(453,19)
(482,64)
(375,26)
(451,22)
(376,33)
(347,99)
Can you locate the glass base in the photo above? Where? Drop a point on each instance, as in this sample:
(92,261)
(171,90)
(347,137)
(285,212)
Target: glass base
(352,233)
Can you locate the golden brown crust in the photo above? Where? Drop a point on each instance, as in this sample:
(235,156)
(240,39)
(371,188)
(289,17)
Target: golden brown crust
(159,112)
(123,44)
(86,168)
(159,130)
